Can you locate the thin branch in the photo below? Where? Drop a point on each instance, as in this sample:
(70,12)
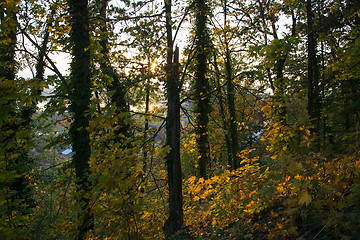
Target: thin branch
(187,115)
(126,18)
(155,134)
(182,20)
(58,96)
(54,166)
(147,114)
(55,69)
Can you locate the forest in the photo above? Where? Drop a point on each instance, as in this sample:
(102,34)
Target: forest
(179,119)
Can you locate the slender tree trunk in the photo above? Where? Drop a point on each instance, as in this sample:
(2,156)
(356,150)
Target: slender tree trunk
(313,75)
(146,125)
(264,22)
(80,101)
(232,112)
(323,91)
(115,87)
(202,86)
(40,65)
(222,114)
(28,111)
(234,136)
(280,90)
(173,162)
(279,84)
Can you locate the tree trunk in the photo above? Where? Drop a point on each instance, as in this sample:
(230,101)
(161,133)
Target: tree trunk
(232,112)
(280,91)
(234,137)
(264,23)
(28,111)
(219,96)
(80,100)
(117,97)
(146,125)
(202,87)
(15,163)
(173,162)
(313,76)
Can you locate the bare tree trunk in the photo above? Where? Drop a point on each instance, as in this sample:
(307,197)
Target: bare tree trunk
(173,162)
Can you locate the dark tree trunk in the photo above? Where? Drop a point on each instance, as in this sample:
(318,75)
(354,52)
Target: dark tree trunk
(40,65)
(219,96)
(279,84)
(234,137)
(280,91)
(313,75)
(15,163)
(80,100)
(173,162)
(115,87)
(28,111)
(264,23)
(232,112)
(146,125)
(202,86)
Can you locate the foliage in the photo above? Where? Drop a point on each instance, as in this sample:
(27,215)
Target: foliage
(246,61)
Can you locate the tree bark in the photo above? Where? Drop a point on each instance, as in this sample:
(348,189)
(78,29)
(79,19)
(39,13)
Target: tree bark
(202,86)
(313,75)
(173,162)
(80,100)
(234,136)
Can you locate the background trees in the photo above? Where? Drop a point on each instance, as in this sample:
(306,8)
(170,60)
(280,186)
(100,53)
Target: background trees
(248,129)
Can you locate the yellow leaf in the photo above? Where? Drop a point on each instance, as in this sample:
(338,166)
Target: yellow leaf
(192,179)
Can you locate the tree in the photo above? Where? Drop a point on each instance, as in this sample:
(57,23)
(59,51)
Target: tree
(16,200)
(313,74)
(80,100)
(234,138)
(173,162)
(115,88)
(201,85)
